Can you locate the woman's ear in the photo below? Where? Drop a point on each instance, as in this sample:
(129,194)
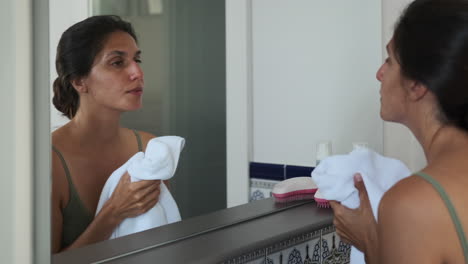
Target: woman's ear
(80,85)
(417,90)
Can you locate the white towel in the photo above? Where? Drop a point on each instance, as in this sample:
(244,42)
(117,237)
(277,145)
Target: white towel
(334,178)
(158,163)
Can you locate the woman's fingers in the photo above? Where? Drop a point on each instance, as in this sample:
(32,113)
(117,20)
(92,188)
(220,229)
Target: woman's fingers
(134,198)
(139,185)
(339,210)
(147,195)
(355,226)
(151,200)
(148,189)
(125,179)
(334,204)
(359,184)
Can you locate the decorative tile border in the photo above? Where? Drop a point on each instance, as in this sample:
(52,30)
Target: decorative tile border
(259,194)
(317,247)
(261,189)
(262,184)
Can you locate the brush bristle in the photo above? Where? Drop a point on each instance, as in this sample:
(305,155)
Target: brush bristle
(297,197)
(323,204)
(320,200)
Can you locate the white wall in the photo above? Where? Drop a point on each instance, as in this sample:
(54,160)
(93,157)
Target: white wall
(62,14)
(15,135)
(238,100)
(314,65)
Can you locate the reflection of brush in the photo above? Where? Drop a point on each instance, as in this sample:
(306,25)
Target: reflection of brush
(298,188)
(321,201)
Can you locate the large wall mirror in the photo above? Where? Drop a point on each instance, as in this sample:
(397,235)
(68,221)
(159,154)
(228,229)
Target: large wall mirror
(309,76)
(183,44)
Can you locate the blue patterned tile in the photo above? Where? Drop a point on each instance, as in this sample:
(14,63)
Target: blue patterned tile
(260,188)
(294,257)
(334,250)
(267,260)
(290,250)
(298,171)
(267,171)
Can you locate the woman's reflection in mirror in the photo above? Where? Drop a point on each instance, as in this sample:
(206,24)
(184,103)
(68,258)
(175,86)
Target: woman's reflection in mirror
(99,78)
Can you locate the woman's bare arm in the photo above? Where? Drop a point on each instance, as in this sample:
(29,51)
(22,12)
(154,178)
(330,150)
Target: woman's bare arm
(407,225)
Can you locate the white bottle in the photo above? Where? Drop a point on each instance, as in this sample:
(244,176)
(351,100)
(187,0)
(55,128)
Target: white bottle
(358,145)
(324,149)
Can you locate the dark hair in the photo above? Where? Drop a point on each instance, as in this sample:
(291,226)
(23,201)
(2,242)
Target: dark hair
(76,51)
(431,45)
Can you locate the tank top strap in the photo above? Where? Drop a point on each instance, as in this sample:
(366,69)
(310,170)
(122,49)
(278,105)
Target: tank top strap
(451,209)
(67,171)
(76,217)
(138,137)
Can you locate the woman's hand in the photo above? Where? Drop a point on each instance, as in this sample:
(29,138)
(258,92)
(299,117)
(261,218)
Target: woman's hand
(357,226)
(131,199)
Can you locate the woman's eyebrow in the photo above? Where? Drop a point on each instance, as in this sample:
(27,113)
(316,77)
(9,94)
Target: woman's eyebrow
(121,53)
(116,52)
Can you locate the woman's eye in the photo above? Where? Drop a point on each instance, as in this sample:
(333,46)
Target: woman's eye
(117,63)
(138,60)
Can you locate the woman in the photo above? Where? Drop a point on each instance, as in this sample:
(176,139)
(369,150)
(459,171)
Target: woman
(99,78)
(424,86)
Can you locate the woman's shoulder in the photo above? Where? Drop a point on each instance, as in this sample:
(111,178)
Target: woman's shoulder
(58,135)
(412,209)
(415,198)
(145,137)
(410,196)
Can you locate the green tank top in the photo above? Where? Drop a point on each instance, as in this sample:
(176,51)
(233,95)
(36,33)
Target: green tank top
(451,209)
(76,217)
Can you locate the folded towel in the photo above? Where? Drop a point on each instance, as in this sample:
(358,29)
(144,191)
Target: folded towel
(334,178)
(159,162)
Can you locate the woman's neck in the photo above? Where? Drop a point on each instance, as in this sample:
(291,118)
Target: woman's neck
(96,128)
(431,133)
(437,139)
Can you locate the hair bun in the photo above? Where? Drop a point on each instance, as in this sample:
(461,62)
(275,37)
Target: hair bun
(67,104)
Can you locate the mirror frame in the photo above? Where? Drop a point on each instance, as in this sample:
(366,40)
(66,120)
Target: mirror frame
(41,134)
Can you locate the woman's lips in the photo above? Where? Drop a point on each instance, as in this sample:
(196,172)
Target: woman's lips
(136,91)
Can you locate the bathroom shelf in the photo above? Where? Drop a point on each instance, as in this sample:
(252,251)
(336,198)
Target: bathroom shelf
(212,238)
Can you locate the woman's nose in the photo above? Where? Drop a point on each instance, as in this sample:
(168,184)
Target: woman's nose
(380,72)
(135,71)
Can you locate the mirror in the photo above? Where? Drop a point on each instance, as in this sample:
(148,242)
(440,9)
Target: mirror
(308,68)
(183,44)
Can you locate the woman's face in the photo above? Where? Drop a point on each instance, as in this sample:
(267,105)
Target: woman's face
(116,78)
(392,93)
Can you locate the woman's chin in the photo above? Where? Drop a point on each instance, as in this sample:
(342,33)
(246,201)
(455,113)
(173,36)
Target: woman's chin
(134,107)
(384,117)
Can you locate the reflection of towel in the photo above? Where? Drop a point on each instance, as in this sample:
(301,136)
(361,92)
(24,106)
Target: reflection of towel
(334,178)
(158,163)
